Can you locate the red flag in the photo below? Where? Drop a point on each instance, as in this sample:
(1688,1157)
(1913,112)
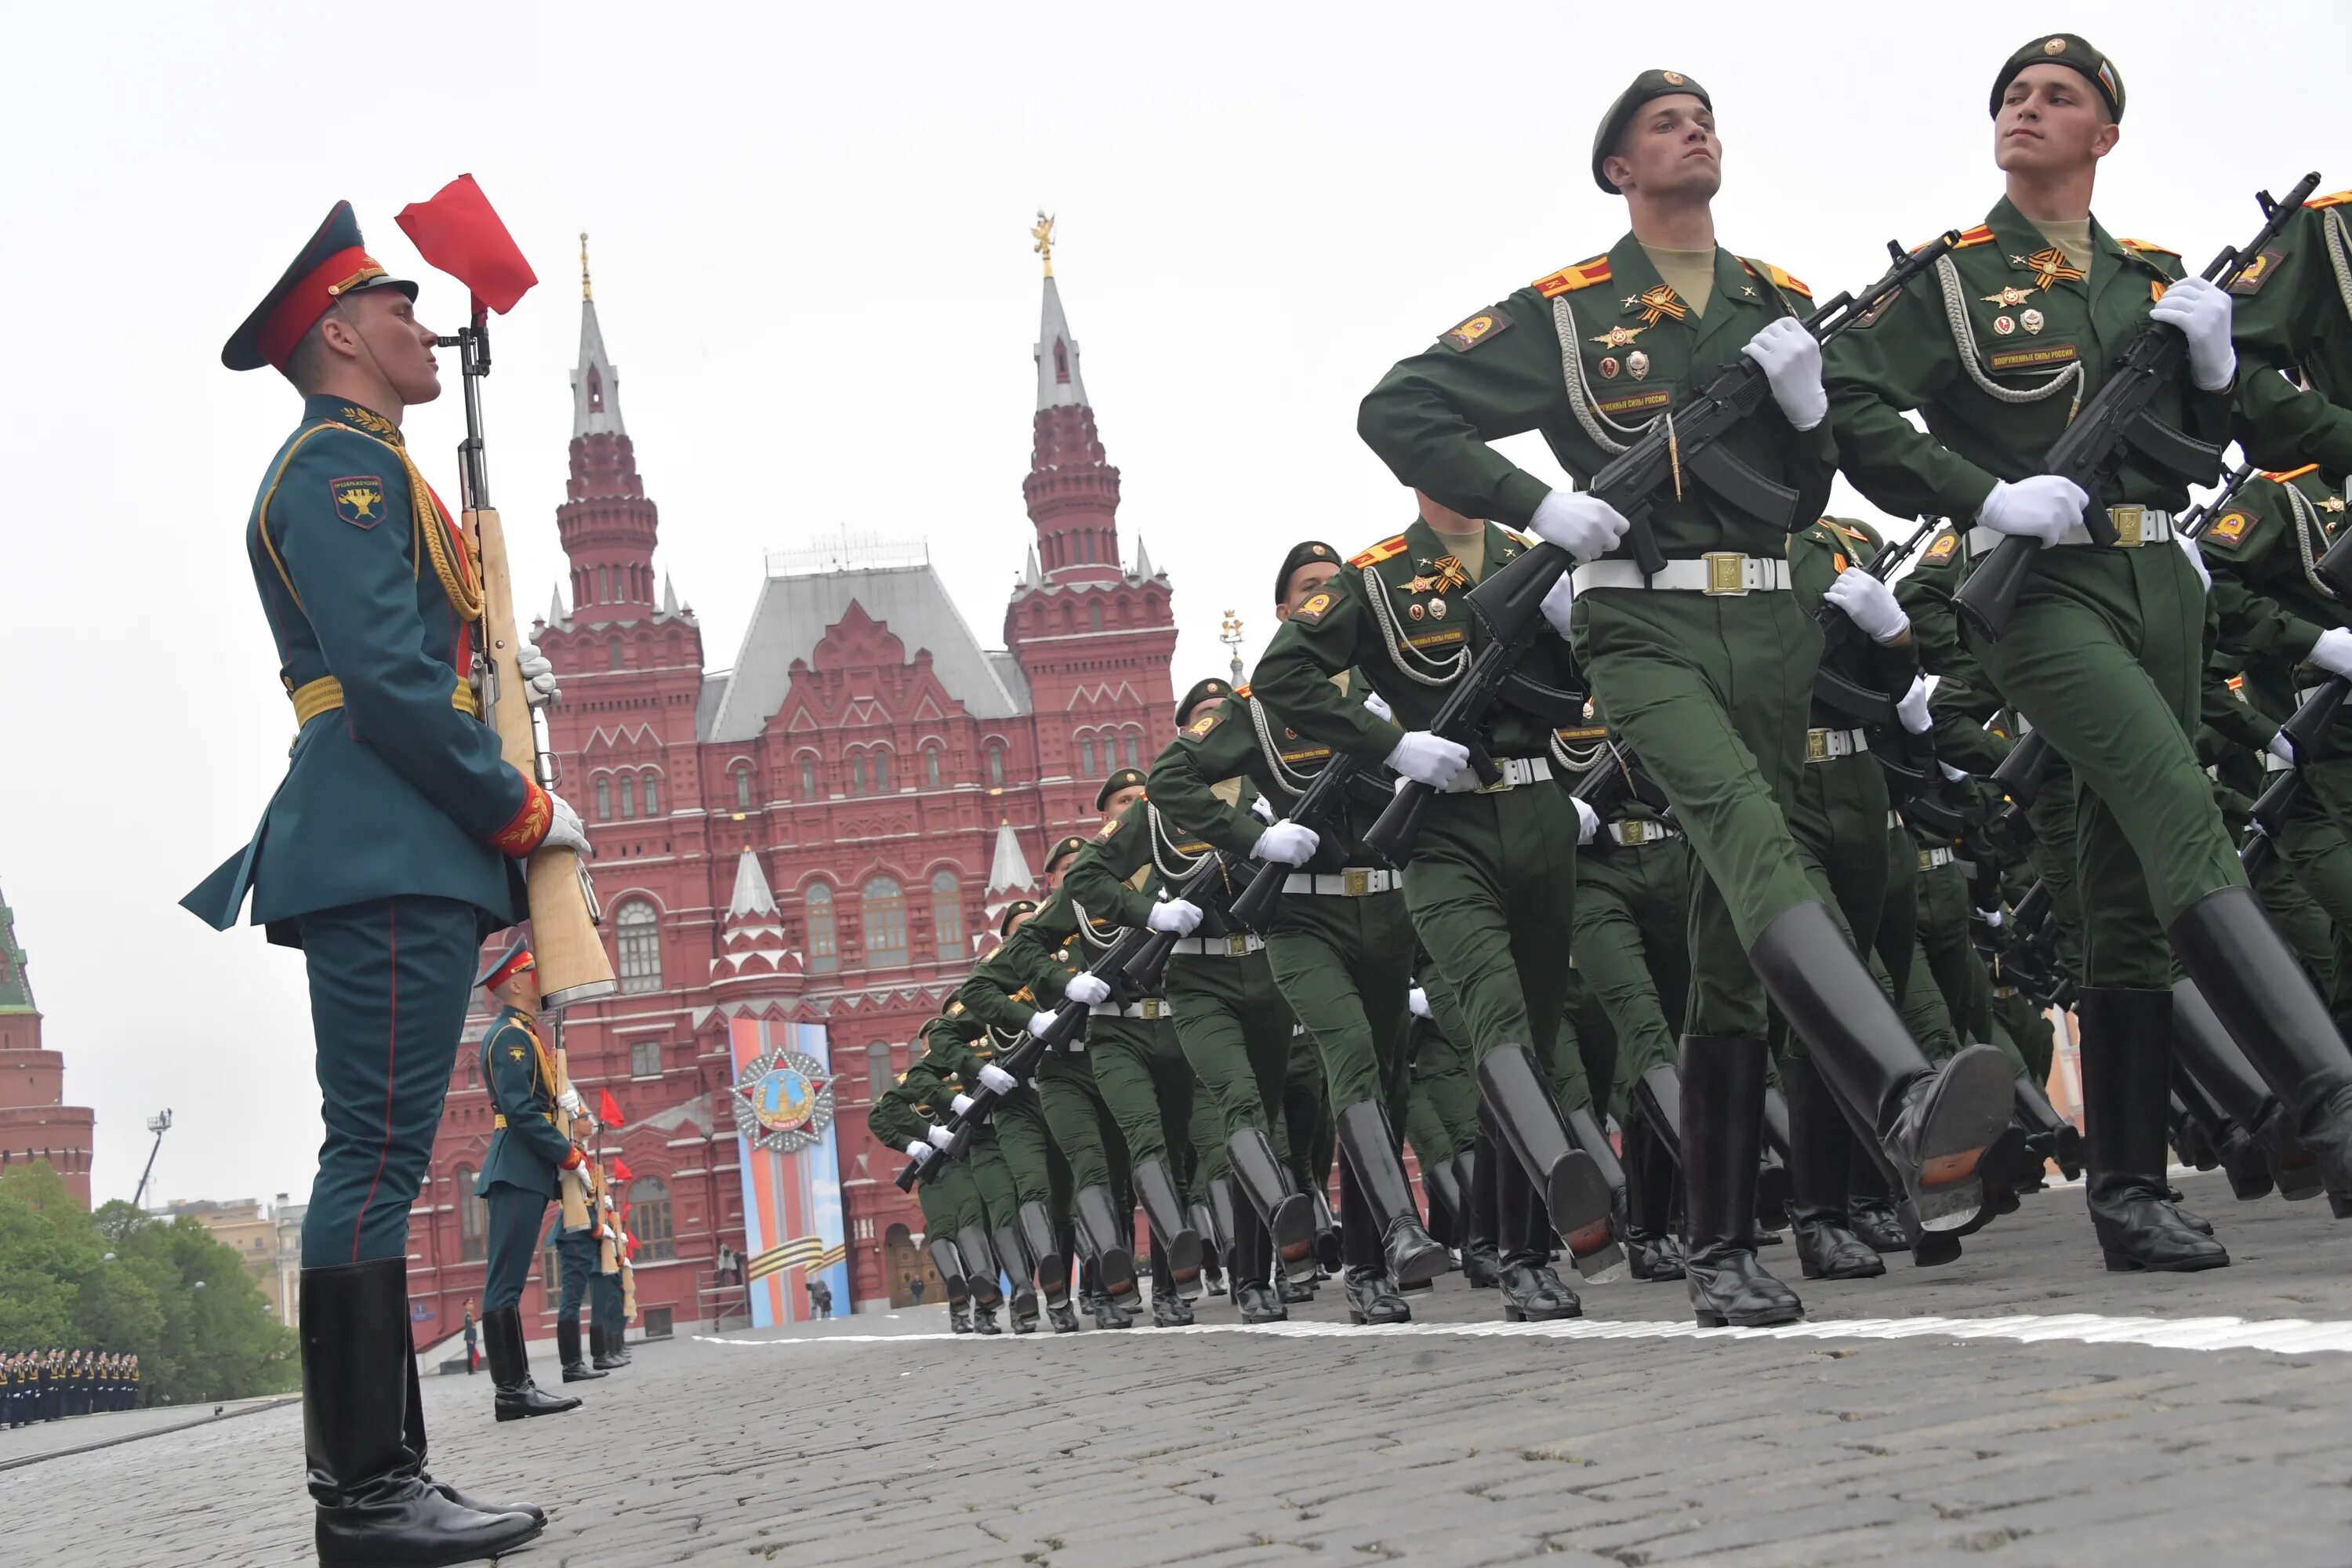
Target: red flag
(621,1173)
(608,1110)
(457,232)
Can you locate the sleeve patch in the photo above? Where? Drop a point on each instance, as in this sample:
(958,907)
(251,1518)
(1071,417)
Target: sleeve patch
(1945,545)
(359,498)
(1378,552)
(2258,271)
(1198,728)
(1312,612)
(2229,528)
(1470,333)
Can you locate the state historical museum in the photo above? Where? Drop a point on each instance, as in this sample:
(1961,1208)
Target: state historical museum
(800,856)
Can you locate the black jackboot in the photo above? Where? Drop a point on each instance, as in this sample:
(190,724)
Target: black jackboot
(1482,1258)
(373,1505)
(1514,1088)
(2204,1047)
(1723,1108)
(1328,1258)
(1171,1229)
(1103,1242)
(1287,1216)
(980,1272)
(1048,1259)
(1773,1176)
(949,1267)
(1585,1131)
(1870,1208)
(567,1350)
(2127,1093)
(1530,1288)
(2205,1138)
(413,1437)
(1012,1252)
(1391,1223)
(1652,1250)
(1821,1152)
(1169,1308)
(604,1348)
(517,1397)
(1447,1222)
(1934,1124)
(1658,1095)
(1250,1265)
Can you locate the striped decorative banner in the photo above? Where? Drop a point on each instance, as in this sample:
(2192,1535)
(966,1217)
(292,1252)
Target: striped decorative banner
(791,1203)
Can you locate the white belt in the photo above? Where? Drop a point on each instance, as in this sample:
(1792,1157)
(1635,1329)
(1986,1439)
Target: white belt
(1238,946)
(2213,772)
(1931,859)
(1894,820)
(1633,831)
(2272,763)
(1515,771)
(1352,882)
(1151,1007)
(1822,745)
(2133,526)
(1718,574)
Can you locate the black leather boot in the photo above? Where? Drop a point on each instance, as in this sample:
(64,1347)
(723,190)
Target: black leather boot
(1288,1216)
(1409,1255)
(1822,1151)
(1652,1251)
(1723,1110)
(1658,1096)
(1103,1242)
(412,1428)
(1585,1131)
(1171,1229)
(981,1270)
(1933,1124)
(1447,1222)
(1250,1263)
(1870,1208)
(1048,1259)
(2126,1091)
(1329,1259)
(2203,1045)
(373,1505)
(1221,1201)
(604,1350)
(567,1349)
(1169,1308)
(1482,1260)
(518,1396)
(2204,1137)
(1531,1289)
(1372,1297)
(2050,1135)
(1512,1086)
(1773,1176)
(948,1266)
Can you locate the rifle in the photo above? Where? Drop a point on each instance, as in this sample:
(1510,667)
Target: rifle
(1620,778)
(1509,605)
(1322,807)
(572,1183)
(2115,424)
(2021,774)
(2194,521)
(1833,689)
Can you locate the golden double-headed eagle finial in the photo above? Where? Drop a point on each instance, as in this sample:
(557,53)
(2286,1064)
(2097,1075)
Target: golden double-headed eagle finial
(586,293)
(1043,233)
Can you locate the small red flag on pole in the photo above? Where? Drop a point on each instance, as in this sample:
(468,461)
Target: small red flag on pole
(459,232)
(621,1173)
(608,1110)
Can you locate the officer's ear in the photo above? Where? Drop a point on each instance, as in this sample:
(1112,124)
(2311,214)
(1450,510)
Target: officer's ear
(330,341)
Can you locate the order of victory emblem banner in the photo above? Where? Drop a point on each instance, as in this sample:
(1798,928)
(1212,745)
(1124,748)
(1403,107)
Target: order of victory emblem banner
(789,1163)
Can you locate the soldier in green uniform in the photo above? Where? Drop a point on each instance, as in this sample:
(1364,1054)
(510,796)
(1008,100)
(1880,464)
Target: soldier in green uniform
(1705,668)
(2103,652)
(521,1174)
(1009,1156)
(989,1239)
(393,846)
(903,1117)
(1333,945)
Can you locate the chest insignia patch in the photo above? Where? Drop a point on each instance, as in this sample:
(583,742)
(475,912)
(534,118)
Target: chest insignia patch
(359,498)
(2230,528)
(1618,336)
(2034,356)
(1476,330)
(1636,402)
(1445,574)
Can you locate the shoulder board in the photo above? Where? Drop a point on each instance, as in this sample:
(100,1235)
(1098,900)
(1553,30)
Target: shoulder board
(1980,234)
(1780,279)
(1568,279)
(1834,526)
(2290,474)
(1242,691)
(1524,540)
(2147,245)
(1384,550)
(2337,200)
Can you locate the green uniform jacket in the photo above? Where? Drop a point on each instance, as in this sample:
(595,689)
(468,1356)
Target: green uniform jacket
(397,792)
(1995,399)
(1818,556)
(2294,311)
(1024,976)
(901,1115)
(2270,608)
(1589,356)
(526,1151)
(1241,739)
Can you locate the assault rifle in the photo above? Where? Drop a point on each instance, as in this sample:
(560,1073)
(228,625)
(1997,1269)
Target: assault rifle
(1509,605)
(2020,776)
(1324,808)
(1615,779)
(1833,688)
(2115,425)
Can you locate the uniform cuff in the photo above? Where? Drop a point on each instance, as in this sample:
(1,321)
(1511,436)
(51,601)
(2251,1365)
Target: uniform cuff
(2298,639)
(522,835)
(1517,497)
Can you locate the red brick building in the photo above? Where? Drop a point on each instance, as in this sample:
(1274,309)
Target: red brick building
(36,1123)
(820,832)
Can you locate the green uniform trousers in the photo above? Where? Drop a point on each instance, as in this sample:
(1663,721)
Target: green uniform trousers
(1310,1133)
(513,1242)
(1584,1051)
(2052,854)
(1081,1125)
(1838,818)
(2316,845)
(1632,911)
(951,1198)
(1019,1122)
(575,1262)
(1952,961)
(1492,892)
(992,1176)
(1140,1073)
(1235,1030)
(1442,1116)
(2104,656)
(1339,963)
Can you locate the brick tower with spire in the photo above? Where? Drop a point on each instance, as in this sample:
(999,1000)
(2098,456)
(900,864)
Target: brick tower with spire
(35,1121)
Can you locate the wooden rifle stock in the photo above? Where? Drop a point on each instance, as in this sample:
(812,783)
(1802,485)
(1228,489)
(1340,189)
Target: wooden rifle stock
(572,1183)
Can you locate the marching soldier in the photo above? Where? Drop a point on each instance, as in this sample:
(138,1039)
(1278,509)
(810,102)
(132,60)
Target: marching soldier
(394,844)
(521,1174)
(2103,652)
(904,1116)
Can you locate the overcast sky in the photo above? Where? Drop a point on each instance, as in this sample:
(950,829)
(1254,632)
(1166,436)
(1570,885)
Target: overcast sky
(812,267)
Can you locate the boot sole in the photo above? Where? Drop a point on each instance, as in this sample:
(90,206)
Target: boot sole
(1116,1270)
(1521,1315)
(2125,1263)
(527,1415)
(1773,1320)
(454,1554)
(1578,1195)
(1972,1107)
(1292,1224)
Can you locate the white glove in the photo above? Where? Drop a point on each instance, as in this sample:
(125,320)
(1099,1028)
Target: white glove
(1587,821)
(2282,749)
(939,1136)
(1288,843)
(962,1104)
(1174,915)
(573,1103)
(1087,987)
(539,686)
(1377,705)
(2333,651)
(1041,1022)
(1912,706)
(1429,759)
(1262,809)
(1870,604)
(563,828)
(996,1078)
(1958,775)
(1585,526)
(2042,507)
(1416,1001)
(1557,601)
(2202,311)
(1791,359)
(1994,919)
(922,1152)
(2196,559)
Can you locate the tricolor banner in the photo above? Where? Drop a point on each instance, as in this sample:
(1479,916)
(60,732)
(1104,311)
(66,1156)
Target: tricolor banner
(790,1160)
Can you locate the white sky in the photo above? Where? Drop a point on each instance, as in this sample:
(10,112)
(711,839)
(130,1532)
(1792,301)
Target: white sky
(812,268)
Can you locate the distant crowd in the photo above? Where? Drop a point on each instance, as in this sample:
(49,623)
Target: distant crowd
(43,1385)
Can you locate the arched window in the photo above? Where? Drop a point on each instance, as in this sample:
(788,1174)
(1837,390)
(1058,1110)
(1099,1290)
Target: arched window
(823,942)
(473,1218)
(603,800)
(1061,360)
(996,764)
(1134,753)
(628,794)
(808,778)
(649,1220)
(742,786)
(614,648)
(930,767)
(603,584)
(653,795)
(885,908)
(879,1076)
(1095,611)
(1086,758)
(857,773)
(881,772)
(947,914)
(640,943)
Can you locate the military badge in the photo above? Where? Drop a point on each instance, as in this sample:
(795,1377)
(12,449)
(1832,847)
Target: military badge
(1659,304)
(2031,320)
(1207,722)
(1415,610)
(1469,334)
(1637,364)
(2229,528)
(1318,605)
(1672,78)
(359,498)
(515,1053)
(1617,337)
(2010,298)
(1437,609)
(2333,503)
(2005,325)
(2258,272)
(2049,266)
(2054,47)
(1608,367)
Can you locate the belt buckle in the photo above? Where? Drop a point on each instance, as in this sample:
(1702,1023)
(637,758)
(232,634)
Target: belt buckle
(2127,521)
(1503,780)
(1631,834)
(1817,745)
(1151,1009)
(1727,573)
(1237,944)
(1355,881)
(1926,859)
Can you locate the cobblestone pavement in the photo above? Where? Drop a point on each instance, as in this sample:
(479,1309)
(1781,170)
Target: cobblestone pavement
(882,1439)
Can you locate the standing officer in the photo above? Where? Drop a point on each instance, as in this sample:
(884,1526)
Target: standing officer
(1703,669)
(608,1317)
(2103,650)
(519,1175)
(393,846)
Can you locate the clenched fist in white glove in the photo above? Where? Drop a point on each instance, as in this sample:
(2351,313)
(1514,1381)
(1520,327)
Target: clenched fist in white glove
(1288,843)
(1912,706)
(1791,359)
(1088,988)
(1587,821)
(1039,1022)
(922,1152)
(1585,526)
(1175,915)
(1377,705)
(1557,601)
(1416,1002)
(2042,507)
(1870,604)
(1429,759)
(2202,311)
(962,1104)
(939,1136)
(993,1076)
(563,828)
(539,687)
(2333,651)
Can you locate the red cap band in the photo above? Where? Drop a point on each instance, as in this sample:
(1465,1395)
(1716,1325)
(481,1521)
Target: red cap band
(308,300)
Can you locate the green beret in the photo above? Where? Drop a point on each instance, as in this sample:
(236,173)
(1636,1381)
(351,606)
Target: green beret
(1063,850)
(1014,911)
(1125,778)
(1201,692)
(2076,54)
(1650,84)
(1306,553)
